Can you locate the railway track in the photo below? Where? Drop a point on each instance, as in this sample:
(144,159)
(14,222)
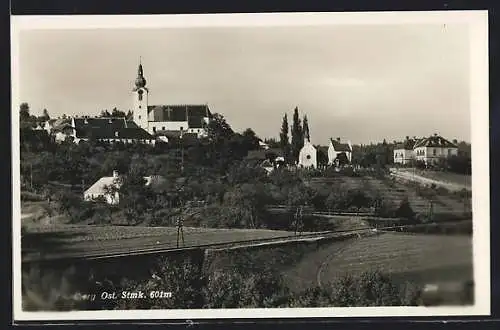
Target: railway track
(159,248)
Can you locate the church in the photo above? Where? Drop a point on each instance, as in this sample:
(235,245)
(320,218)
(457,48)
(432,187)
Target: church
(170,120)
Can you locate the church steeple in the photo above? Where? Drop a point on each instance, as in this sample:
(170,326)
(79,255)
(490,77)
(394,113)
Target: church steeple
(140,81)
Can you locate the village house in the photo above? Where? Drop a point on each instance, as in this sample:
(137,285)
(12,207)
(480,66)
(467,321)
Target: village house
(337,150)
(108,188)
(433,148)
(403,152)
(100,128)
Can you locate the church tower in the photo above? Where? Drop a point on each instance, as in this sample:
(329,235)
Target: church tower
(140,96)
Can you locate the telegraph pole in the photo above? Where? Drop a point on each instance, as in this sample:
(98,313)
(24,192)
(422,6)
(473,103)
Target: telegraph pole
(182,151)
(31,176)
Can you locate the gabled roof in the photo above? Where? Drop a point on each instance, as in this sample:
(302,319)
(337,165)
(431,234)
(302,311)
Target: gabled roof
(101,122)
(98,188)
(109,128)
(194,114)
(435,141)
(340,146)
(406,145)
(54,123)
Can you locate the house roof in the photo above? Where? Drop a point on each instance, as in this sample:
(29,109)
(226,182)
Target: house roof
(262,154)
(98,188)
(406,145)
(55,123)
(110,128)
(340,146)
(434,141)
(187,138)
(194,114)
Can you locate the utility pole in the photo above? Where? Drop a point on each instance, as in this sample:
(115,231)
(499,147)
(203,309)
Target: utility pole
(31,176)
(182,151)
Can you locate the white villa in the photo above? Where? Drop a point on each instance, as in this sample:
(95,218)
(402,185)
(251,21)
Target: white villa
(428,150)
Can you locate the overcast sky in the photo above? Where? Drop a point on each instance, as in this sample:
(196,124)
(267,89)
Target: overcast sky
(363,83)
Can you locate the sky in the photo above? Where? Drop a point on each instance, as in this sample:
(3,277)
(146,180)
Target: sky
(361,83)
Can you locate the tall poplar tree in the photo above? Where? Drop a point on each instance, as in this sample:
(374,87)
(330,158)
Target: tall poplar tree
(284,139)
(297,135)
(305,129)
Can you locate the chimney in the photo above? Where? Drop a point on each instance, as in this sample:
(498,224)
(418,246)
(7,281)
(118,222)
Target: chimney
(115,173)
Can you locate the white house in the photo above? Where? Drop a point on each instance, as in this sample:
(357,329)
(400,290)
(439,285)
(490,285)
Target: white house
(101,189)
(336,148)
(433,148)
(108,187)
(308,155)
(403,152)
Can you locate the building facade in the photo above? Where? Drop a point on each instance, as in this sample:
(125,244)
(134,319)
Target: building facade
(308,155)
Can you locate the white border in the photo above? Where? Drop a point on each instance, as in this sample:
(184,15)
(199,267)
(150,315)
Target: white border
(478,29)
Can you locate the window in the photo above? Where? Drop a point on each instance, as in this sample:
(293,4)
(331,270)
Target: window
(139,116)
(140,107)
(163,128)
(308,156)
(154,129)
(434,152)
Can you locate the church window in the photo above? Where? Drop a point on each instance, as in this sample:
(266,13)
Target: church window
(139,116)
(140,107)
(163,128)
(308,156)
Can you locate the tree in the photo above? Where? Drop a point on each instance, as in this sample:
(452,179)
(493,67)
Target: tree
(250,139)
(305,129)
(297,135)
(24,111)
(105,113)
(218,129)
(117,113)
(284,140)
(45,115)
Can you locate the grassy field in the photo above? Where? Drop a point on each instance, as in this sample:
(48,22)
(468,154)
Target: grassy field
(49,242)
(394,193)
(420,258)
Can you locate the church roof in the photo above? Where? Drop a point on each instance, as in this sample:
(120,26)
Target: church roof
(192,113)
(435,141)
(340,146)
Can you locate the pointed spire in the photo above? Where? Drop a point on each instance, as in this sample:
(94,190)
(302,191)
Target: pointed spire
(140,81)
